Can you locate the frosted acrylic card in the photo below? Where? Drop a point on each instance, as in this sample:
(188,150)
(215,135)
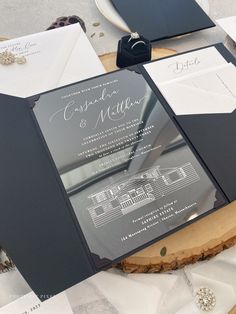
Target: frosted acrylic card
(128,172)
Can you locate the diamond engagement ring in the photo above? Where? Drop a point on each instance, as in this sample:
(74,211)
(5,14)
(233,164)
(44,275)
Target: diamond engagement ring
(133,36)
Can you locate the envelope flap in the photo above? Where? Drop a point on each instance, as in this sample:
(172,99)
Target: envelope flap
(213,136)
(36,226)
(51,61)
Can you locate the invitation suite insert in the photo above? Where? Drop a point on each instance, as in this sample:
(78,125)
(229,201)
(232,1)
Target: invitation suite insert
(103,167)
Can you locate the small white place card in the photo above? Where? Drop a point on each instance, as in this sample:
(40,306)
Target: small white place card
(229,26)
(30,304)
(204,92)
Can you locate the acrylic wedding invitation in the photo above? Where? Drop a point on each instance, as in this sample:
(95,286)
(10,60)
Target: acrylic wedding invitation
(129,174)
(97,170)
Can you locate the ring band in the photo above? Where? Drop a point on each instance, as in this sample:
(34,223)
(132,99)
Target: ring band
(138,42)
(133,36)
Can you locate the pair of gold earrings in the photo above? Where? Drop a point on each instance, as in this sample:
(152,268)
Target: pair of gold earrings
(7,58)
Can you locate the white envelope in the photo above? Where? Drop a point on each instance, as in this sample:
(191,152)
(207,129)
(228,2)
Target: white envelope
(208,91)
(54,58)
(189,100)
(220,80)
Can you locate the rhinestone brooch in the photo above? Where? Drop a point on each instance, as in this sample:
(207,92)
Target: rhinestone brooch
(7,58)
(205,299)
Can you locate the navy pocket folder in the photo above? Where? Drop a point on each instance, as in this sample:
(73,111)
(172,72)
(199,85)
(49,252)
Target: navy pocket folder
(59,231)
(158,19)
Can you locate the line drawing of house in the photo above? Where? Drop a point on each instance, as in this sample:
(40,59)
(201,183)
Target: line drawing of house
(138,190)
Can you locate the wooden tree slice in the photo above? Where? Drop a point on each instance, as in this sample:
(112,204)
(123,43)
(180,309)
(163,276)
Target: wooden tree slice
(233,311)
(200,240)
(203,239)
(3,38)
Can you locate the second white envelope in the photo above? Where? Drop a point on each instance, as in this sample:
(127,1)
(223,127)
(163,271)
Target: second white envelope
(54,58)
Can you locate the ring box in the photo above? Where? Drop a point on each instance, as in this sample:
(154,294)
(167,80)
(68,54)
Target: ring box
(133,51)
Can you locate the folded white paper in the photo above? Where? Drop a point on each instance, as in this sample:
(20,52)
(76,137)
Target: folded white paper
(54,58)
(181,65)
(220,80)
(189,100)
(31,304)
(205,92)
(229,26)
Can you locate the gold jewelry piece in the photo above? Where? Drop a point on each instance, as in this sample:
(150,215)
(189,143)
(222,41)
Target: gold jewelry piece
(7,58)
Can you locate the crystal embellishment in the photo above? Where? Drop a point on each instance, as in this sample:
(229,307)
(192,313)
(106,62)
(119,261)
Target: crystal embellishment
(21,60)
(135,35)
(7,58)
(205,299)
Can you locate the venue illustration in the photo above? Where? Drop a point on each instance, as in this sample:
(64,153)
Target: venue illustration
(138,190)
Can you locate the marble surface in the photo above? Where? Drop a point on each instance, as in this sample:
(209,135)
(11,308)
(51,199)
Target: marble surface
(113,292)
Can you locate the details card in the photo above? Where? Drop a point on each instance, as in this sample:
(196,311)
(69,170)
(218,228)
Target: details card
(175,67)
